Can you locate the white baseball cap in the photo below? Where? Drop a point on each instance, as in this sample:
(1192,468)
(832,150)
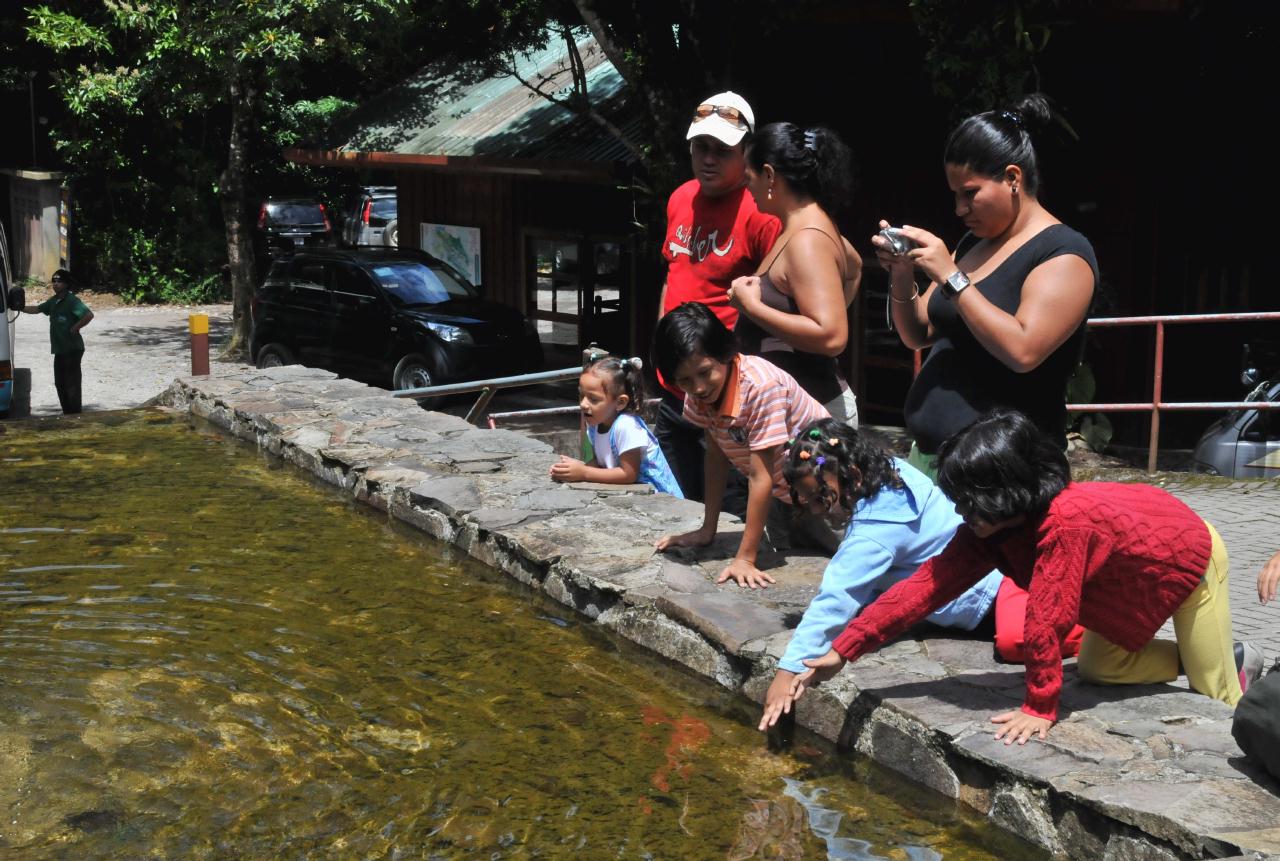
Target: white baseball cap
(717,126)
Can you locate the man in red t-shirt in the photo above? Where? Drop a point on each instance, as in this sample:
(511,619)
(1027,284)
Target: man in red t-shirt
(714,234)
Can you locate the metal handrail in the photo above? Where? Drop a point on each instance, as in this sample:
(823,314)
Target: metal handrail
(1156,405)
(490,387)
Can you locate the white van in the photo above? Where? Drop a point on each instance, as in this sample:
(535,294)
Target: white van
(12,300)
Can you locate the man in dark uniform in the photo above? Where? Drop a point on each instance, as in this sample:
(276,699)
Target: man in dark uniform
(67,316)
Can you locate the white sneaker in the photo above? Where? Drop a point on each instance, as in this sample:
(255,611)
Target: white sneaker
(1249,663)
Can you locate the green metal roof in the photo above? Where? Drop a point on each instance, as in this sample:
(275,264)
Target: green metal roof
(451,111)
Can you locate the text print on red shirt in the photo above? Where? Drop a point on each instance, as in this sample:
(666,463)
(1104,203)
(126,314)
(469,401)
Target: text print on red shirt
(697,246)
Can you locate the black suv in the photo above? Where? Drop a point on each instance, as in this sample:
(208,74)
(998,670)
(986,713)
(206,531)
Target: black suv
(288,223)
(394,318)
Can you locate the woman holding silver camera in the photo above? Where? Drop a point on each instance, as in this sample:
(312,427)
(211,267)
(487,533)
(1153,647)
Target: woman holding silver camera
(1005,314)
(793,310)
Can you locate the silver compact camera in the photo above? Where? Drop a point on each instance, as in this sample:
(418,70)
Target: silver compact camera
(898,243)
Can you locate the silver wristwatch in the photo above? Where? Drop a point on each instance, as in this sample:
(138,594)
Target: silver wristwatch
(955,282)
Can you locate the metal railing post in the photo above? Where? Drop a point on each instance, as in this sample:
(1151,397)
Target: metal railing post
(1155,398)
(481,404)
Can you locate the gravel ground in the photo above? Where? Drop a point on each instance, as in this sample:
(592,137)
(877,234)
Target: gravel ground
(132,353)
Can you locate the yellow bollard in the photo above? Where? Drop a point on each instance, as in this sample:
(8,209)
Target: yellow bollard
(198,324)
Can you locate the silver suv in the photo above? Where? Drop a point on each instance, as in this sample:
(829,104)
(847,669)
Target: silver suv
(370,218)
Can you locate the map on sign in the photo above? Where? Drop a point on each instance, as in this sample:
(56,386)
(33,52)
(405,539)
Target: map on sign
(456,245)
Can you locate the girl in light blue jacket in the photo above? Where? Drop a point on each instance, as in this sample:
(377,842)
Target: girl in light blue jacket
(895,519)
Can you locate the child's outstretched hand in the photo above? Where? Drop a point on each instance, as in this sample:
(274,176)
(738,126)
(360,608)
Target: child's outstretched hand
(777,701)
(1020,726)
(568,469)
(820,669)
(696,538)
(744,573)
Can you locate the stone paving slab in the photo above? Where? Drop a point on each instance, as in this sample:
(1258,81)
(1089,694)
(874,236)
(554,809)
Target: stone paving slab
(1139,772)
(1247,516)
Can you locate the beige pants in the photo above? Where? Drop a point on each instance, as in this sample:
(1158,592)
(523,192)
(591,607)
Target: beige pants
(1203,629)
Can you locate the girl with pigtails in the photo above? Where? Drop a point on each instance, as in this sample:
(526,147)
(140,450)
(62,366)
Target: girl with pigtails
(611,395)
(894,519)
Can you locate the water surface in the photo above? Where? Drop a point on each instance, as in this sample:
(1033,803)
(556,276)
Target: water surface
(205,655)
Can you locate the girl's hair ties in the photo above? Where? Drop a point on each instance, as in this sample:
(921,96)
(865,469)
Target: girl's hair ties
(834,440)
(820,460)
(1012,117)
(804,455)
(815,434)
(634,362)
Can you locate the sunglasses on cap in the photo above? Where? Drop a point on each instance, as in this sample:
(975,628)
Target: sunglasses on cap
(725,112)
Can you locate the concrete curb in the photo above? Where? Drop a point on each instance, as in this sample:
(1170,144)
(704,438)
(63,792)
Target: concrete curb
(1147,773)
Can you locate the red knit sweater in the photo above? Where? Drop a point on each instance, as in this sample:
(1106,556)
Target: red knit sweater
(1117,558)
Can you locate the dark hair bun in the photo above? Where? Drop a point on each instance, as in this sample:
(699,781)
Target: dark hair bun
(1033,112)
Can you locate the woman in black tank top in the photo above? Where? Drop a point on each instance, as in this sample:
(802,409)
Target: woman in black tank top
(1005,315)
(793,310)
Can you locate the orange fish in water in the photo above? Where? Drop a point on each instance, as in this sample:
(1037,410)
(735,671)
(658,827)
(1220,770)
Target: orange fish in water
(687,735)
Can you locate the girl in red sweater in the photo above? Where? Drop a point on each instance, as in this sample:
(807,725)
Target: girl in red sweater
(1118,558)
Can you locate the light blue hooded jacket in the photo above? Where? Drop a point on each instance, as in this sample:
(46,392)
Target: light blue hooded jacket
(889,537)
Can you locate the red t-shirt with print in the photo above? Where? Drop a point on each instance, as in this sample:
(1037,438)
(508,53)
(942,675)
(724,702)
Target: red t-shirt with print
(709,242)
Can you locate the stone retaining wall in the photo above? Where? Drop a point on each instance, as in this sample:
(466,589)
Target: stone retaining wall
(1148,773)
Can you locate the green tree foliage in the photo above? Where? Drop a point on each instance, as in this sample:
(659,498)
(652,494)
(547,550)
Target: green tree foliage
(178,110)
(983,54)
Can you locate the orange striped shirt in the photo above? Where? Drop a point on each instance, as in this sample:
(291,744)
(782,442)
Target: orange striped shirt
(763,406)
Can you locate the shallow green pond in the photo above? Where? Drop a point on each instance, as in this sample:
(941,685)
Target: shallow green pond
(204,655)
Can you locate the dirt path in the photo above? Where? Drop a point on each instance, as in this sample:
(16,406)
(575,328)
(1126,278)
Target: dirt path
(132,353)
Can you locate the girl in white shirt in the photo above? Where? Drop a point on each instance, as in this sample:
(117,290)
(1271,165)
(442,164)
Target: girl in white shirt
(611,395)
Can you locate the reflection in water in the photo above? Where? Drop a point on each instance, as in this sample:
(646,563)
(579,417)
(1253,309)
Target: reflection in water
(204,656)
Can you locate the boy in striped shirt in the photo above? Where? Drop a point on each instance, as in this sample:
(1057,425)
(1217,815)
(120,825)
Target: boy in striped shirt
(748,408)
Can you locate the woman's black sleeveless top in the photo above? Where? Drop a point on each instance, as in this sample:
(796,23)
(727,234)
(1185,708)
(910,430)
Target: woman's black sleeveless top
(960,380)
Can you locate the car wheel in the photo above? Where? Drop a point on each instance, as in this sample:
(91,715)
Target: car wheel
(414,372)
(275,356)
(391,234)
(20,404)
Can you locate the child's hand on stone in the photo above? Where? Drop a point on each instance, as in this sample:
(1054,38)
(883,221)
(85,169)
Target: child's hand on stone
(745,573)
(568,469)
(1020,726)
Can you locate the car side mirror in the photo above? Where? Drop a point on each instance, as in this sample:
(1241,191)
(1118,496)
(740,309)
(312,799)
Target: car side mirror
(17,298)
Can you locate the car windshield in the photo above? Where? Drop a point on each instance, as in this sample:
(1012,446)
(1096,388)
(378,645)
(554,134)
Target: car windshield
(408,282)
(294,213)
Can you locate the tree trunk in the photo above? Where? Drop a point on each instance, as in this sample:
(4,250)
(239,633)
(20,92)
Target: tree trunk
(232,194)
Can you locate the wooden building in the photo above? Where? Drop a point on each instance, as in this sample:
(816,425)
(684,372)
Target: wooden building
(542,195)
